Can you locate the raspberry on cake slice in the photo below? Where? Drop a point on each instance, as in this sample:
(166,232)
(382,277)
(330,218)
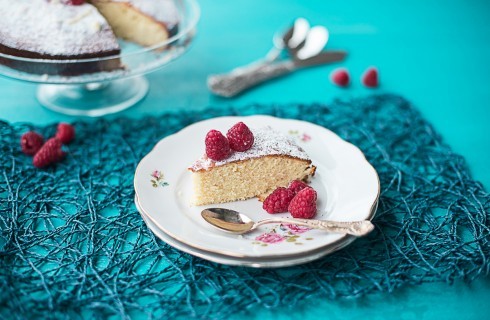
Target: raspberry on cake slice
(240,137)
(272,161)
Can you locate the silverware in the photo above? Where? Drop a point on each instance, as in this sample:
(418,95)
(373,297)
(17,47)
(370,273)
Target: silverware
(231,85)
(295,40)
(291,40)
(302,53)
(238,223)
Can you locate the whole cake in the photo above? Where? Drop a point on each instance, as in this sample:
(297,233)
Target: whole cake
(77,29)
(274,160)
(51,30)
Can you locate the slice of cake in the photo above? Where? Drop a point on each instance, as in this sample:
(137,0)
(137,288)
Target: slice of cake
(54,30)
(146,22)
(274,160)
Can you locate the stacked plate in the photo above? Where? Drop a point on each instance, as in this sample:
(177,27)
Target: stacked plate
(347,186)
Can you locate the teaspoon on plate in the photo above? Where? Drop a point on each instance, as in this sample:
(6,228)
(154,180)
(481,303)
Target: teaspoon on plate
(238,223)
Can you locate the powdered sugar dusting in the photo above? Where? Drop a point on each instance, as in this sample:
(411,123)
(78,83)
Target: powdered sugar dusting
(53,28)
(161,10)
(266,142)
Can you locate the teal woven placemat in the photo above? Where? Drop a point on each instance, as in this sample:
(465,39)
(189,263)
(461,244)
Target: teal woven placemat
(73,245)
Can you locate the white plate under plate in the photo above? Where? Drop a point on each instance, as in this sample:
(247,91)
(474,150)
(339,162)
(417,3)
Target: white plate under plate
(347,185)
(266,262)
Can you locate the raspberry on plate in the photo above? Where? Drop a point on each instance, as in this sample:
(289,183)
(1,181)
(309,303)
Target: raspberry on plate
(217,146)
(74,2)
(297,185)
(240,137)
(278,201)
(31,142)
(49,153)
(65,133)
(303,204)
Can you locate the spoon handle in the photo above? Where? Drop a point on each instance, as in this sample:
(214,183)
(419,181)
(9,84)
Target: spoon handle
(231,84)
(355,228)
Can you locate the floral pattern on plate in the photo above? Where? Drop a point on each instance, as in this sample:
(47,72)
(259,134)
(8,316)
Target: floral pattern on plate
(302,136)
(157,179)
(283,232)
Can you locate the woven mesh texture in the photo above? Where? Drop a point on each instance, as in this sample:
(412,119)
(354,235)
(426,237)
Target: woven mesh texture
(73,245)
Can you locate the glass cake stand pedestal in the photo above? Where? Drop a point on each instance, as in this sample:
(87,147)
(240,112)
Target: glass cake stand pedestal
(93,99)
(80,88)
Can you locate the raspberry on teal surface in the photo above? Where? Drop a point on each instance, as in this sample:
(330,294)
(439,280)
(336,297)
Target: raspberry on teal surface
(49,153)
(65,133)
(31,142)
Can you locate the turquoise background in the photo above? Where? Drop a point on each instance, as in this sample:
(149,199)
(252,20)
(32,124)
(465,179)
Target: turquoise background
(435,53)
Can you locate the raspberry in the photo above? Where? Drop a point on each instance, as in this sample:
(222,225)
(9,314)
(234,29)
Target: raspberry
(240,137)
(297,185)
(31,142)
(49,153)
(65,133)
(340,77)
(303,204)
(74,2)
(217,146)
(278,201)
(370,78)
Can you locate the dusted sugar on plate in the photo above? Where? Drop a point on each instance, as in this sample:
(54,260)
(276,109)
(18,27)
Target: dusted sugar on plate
(273,160)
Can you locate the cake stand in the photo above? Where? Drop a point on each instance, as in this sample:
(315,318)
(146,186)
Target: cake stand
(101,93)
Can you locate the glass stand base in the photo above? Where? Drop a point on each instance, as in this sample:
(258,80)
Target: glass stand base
(93,99)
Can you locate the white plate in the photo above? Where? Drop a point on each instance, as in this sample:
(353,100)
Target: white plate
(271,262)
(347,186)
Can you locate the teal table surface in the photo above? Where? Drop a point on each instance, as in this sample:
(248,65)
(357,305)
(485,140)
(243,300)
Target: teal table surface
(434,53)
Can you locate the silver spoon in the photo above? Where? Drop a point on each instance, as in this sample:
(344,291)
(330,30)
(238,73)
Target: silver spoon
(315,41)
(291,40)
(310,54)
(235,222)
